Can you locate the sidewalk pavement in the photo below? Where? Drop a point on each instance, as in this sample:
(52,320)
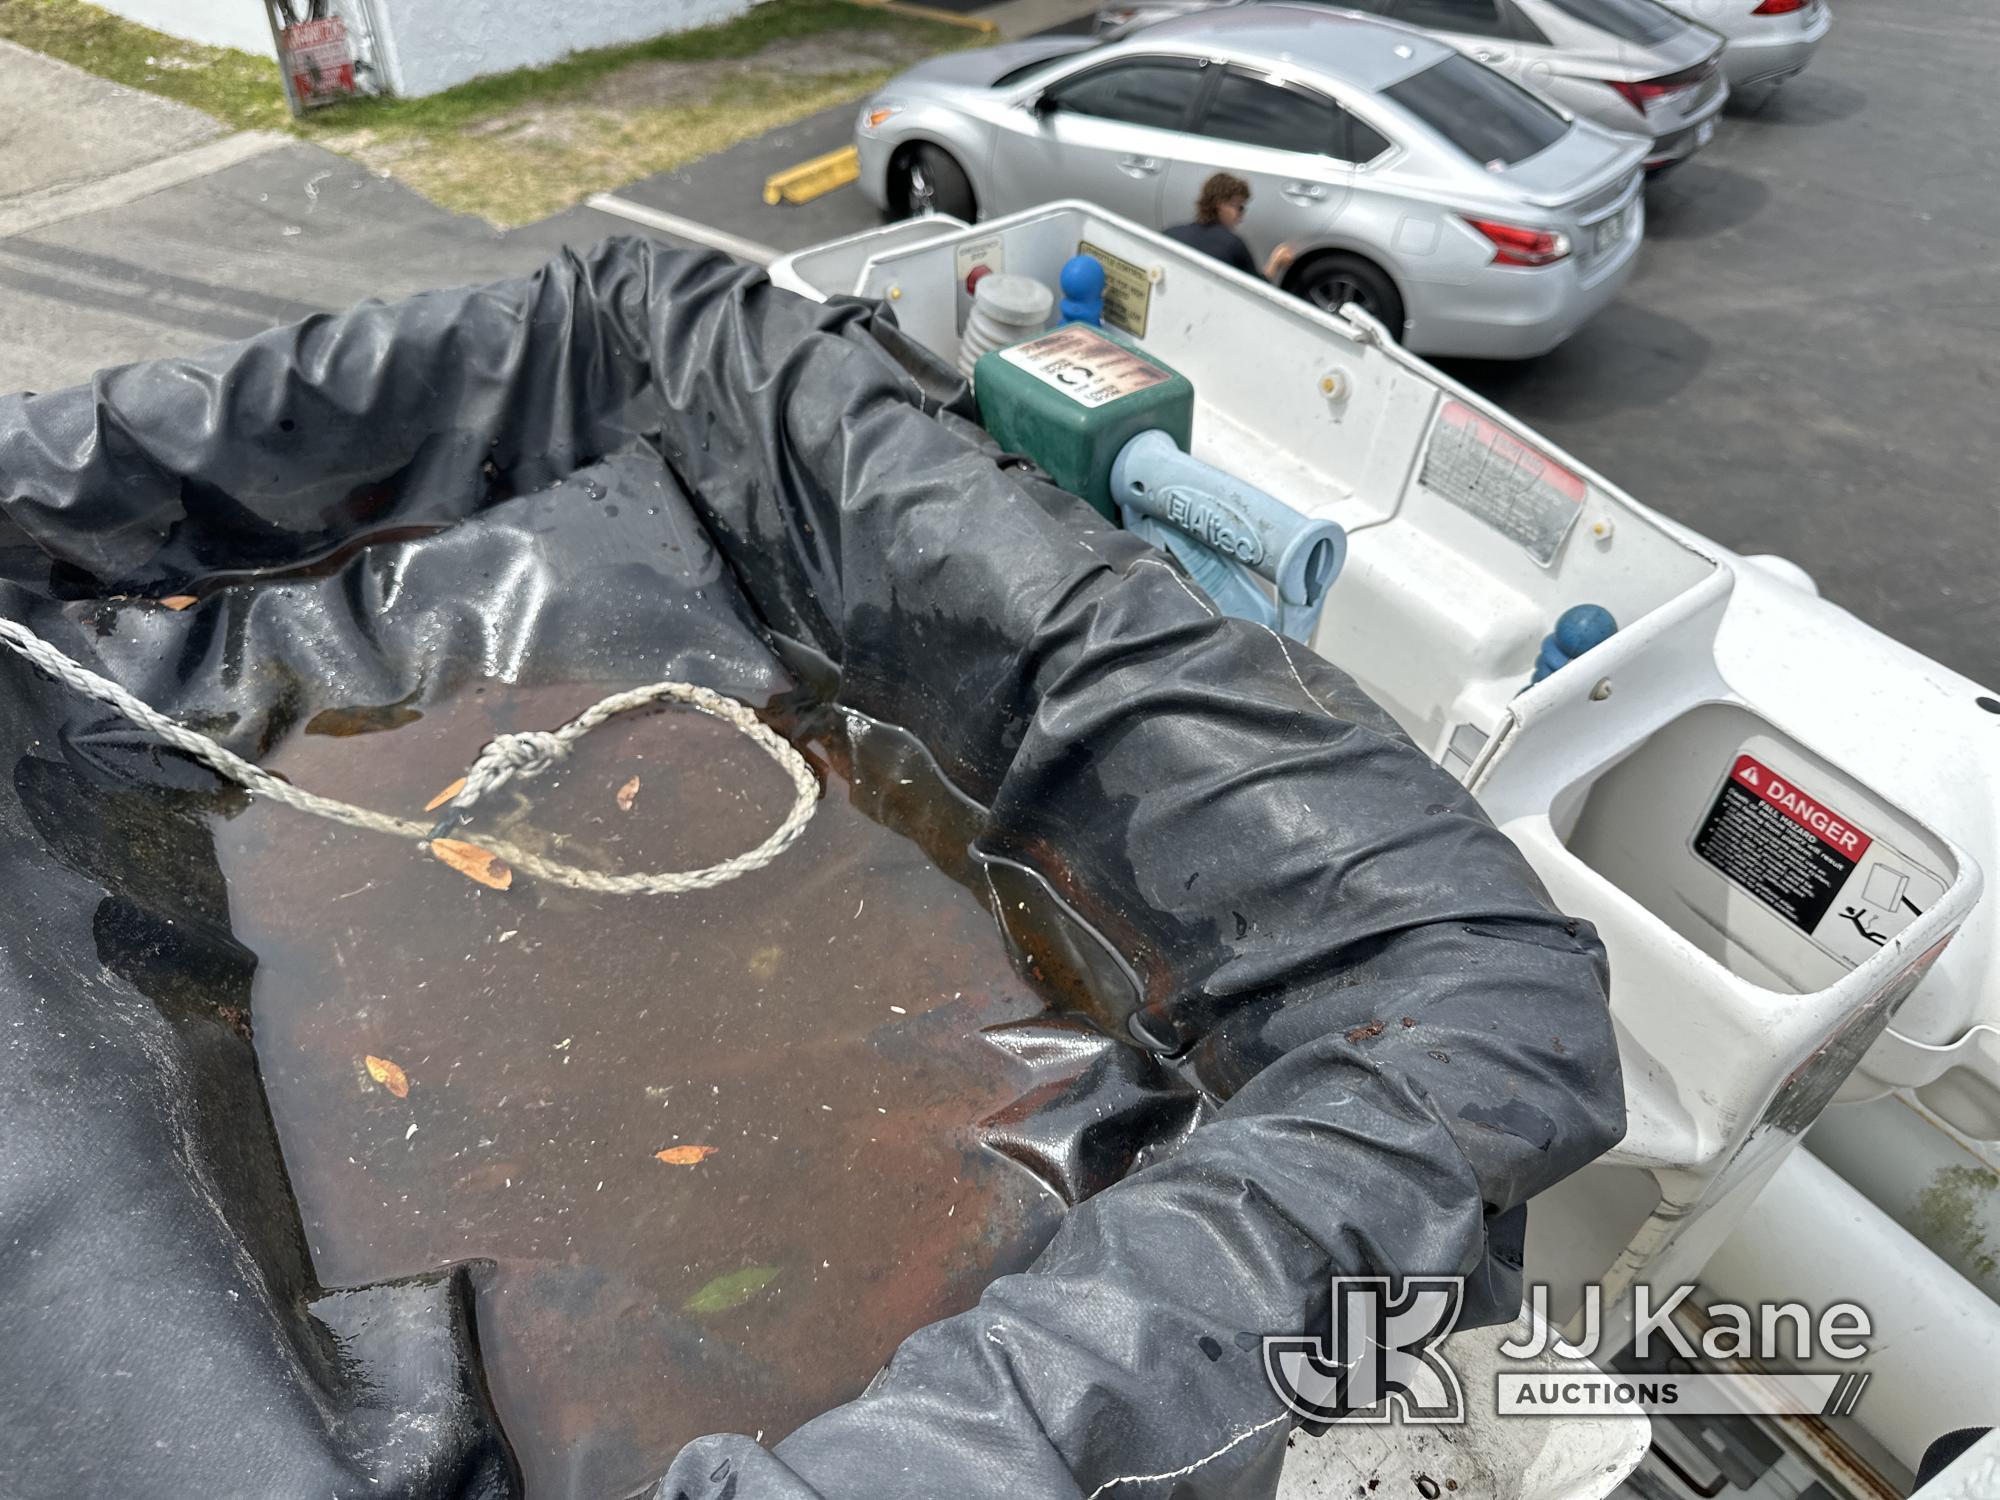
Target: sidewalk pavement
(290,231)
(131,226)
(61,126)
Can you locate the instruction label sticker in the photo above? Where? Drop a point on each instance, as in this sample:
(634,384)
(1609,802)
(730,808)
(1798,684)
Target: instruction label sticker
(1085,366)
(1844,888)
(1519,491)
(1128,290)
(990,253)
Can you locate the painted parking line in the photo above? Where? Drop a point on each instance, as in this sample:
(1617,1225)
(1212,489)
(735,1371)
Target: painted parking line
(681,229)
(813,179)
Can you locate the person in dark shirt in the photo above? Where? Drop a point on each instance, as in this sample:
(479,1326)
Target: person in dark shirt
(1224,200)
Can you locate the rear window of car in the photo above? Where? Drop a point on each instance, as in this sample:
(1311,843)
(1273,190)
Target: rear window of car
(1641,21)
(1463,17)
(1489,118)
(1364,141)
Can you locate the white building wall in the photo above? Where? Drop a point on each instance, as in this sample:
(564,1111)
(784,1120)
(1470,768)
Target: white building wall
(219,23)
(429,45)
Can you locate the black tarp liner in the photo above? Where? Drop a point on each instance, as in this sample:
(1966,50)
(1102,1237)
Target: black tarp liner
(1397,1038)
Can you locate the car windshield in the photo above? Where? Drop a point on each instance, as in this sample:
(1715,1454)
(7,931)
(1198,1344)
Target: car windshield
(1641,21)
(1028,70)
(1489,118)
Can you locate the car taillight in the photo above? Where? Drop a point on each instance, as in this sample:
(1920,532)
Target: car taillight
(1780,7)
(1515,246)
(1646,90)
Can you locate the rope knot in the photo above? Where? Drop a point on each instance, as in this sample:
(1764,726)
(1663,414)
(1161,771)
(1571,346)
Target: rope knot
(529,752)
(526,753)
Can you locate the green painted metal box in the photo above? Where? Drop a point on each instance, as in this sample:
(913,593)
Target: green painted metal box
(1071,399)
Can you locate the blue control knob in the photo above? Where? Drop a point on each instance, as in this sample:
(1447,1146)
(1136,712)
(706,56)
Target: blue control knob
(1578,628)
(1082,283)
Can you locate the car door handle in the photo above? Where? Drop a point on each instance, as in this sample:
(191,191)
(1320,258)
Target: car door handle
(1139,166)
(1305,192)
(1488,55)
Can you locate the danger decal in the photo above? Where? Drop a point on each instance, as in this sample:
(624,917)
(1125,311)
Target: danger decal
(1845,889)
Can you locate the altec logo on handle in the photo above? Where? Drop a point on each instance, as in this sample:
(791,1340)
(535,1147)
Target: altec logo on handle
(1828,826)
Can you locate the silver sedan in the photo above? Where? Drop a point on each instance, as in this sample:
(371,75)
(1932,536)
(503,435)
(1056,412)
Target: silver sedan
(1627,64)
(1467,215)
(1768,40)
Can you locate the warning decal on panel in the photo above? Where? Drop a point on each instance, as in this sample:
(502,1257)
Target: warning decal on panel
(1085,365)
(1844,888)
(1128,290)
(1519,492)
(988,253)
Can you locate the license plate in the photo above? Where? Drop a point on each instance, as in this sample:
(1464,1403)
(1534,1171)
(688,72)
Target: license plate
(1610,231)
(1704,133)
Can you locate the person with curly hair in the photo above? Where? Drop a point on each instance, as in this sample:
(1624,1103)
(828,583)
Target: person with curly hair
(1225,198)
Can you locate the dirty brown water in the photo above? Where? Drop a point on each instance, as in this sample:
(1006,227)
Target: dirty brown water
(816,1024)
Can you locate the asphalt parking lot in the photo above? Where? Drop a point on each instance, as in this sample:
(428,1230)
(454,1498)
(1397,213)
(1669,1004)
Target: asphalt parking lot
(1805,362)
(1802,364)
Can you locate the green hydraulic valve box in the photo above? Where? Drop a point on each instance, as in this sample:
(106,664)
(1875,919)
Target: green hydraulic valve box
(1072,399)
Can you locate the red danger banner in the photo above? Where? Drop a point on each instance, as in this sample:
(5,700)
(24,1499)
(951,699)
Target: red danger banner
(1826,825)
(1785,847)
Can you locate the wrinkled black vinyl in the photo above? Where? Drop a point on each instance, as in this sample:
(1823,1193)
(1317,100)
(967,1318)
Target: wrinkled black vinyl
(1395,1037)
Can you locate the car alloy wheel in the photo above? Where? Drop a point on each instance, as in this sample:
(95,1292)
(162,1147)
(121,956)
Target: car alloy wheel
(1337,279)
(923,192)
(1332,293)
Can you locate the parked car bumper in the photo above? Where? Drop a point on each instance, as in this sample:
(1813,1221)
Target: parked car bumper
(1672,147)
(1774,53)
(1677,146)
(1675,136)
(1520,312)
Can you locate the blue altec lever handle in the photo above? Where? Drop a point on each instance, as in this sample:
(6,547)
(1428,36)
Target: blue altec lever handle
(1580,628)
(1224,531)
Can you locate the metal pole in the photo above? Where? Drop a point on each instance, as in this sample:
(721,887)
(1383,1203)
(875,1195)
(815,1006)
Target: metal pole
(272,13)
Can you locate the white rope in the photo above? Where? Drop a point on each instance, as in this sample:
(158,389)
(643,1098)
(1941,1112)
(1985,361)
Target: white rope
(525,755)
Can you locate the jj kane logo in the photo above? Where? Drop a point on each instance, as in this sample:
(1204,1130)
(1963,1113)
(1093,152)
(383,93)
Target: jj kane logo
(1379,1360)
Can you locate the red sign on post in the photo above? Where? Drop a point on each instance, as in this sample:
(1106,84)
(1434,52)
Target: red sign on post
(316,60)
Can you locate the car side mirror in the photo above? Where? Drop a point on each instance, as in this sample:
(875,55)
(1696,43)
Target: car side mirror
(1044,105)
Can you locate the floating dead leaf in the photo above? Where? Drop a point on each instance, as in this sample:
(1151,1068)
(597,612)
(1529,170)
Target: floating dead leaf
(391,1077)
(684,1156)
(178,601)
(731,1290)
(628,794)
(474,863)
(445,796)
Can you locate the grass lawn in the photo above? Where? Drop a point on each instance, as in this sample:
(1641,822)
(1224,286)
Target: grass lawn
(521,145)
